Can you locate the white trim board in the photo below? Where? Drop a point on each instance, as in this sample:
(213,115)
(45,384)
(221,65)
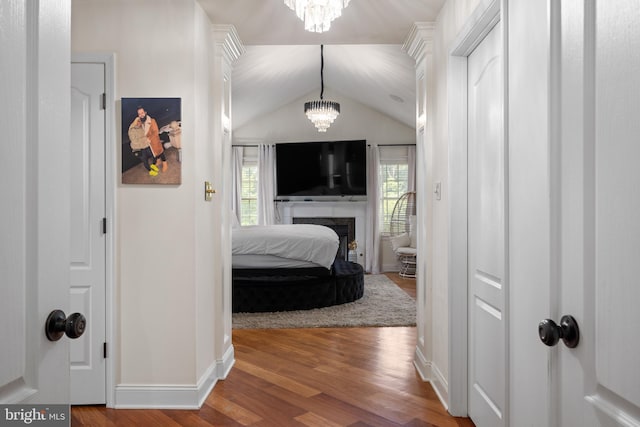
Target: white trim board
(165,396)
(173,396)
(484,17)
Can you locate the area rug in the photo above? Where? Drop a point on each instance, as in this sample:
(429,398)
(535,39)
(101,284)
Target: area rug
(383,304)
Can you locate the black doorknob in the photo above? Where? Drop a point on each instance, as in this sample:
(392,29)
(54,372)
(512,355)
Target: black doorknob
(550,333)
(58,324)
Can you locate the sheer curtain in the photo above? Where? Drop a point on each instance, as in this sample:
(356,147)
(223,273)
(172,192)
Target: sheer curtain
(372,264)
(237,157)
(411,161)
(266,184)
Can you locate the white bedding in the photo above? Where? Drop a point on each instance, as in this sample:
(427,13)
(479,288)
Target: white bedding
(268,261)
(312,243)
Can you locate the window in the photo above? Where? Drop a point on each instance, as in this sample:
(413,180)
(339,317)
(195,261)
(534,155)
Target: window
(249,196)
(393,180)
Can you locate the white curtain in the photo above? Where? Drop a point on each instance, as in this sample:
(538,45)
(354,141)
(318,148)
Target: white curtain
(372,264)
(237,158)
(266,184)
(411,161)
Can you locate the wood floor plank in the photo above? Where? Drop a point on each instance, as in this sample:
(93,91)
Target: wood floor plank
(276,379)
(194,418)
(329,408)
(314,420)
(90,416)
(265,405)
(234,411)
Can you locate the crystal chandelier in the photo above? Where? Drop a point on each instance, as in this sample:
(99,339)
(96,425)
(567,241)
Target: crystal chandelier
(322,113)
(317,14)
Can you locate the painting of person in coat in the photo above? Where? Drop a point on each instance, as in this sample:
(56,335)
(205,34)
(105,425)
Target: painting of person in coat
(151,148)
(144,131)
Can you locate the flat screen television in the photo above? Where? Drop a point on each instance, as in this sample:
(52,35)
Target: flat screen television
(321,170)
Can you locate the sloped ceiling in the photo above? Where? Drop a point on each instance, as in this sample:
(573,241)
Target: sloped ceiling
(363,57)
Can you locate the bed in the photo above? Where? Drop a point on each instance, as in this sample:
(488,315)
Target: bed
(284,246)
(290,267)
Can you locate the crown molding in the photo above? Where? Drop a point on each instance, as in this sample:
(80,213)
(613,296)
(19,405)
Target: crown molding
(226,37)
(419,41)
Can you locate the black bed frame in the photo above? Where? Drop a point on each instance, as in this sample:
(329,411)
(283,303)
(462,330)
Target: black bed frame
(267,290)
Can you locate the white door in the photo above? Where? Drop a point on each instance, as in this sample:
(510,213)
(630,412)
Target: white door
(599,381)
(486,253)
(88,228)
(34,219)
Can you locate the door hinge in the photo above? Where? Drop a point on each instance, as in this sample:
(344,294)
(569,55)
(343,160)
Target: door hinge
(104,101)
(104,350)
(104,225)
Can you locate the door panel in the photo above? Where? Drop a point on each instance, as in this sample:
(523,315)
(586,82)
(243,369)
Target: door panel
(486,233)
(617,199)
(14,384)
(599,380)
(88,243)
(34,225)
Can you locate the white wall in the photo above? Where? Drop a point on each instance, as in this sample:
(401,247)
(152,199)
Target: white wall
(164,276)
(204,225)
(356,121)
(449,22)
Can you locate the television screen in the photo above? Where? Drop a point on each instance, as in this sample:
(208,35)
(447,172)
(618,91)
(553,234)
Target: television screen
(320,170)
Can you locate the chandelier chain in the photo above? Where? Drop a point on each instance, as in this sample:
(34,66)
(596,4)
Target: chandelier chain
(321,71)
(322,113)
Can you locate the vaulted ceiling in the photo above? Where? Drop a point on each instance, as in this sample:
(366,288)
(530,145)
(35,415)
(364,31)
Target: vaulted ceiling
(363,57)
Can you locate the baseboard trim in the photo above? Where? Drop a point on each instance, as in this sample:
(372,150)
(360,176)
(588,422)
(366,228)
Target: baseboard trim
(390,268)
(430,373)
(165,396)
(207,381)
(439,384)
(423,366)
(223,366)
(174,396)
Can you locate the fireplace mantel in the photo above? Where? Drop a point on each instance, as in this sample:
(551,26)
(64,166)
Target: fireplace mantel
(329,209)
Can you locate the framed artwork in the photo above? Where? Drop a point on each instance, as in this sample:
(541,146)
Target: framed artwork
(151,141)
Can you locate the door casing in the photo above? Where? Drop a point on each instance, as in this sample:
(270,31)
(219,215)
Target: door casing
(487,233)
(108,59)
(481,21)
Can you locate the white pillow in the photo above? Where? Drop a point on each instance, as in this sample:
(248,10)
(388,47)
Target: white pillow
(400,241)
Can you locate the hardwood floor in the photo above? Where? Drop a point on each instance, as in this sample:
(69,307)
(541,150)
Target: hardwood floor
(307,377)
(407,285)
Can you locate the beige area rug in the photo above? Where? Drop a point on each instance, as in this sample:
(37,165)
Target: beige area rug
(383,304)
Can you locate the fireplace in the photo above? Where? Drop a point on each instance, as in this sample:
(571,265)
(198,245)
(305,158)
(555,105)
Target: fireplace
(345,228)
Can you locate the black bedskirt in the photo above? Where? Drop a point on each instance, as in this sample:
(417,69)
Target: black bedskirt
(266,290)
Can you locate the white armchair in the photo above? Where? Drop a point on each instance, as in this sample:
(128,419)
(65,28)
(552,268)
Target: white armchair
(404,246)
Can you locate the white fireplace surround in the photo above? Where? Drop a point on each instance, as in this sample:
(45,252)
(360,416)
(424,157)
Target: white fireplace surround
(329,209)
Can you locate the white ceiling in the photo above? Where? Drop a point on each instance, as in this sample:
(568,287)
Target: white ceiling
(363,59)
